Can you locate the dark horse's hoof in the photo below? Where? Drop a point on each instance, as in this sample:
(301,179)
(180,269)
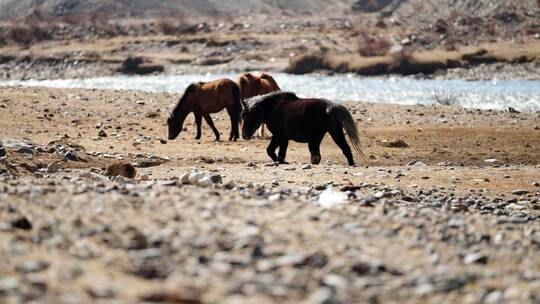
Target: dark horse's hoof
(283,162)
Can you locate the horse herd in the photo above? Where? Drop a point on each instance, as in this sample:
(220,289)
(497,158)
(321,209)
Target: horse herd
(257,100)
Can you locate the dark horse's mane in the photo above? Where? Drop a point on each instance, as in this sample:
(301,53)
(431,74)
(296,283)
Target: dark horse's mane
(268,98)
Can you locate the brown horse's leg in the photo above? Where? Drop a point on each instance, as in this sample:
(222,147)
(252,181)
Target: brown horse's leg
(198,122)
(211,124)
(261,131)
(234,113)
(339,138)
(314,149)
(271,150)
(283,151)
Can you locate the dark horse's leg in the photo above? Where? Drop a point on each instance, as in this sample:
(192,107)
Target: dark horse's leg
(211,124)
(271,150)
(283,151)
(314,149)
(198,122)
(339,137)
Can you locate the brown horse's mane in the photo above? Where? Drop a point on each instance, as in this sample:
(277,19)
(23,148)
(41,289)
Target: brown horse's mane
(268,98)
(187,91)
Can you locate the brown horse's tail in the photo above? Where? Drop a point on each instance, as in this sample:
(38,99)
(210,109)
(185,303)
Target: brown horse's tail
(237,99)
(344,117)
(242,83)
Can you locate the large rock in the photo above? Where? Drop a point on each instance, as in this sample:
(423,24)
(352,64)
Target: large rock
(121,169)
(370,6)
(140,66)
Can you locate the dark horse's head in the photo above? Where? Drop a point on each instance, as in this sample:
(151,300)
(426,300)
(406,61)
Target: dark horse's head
(175,122)
(250,124)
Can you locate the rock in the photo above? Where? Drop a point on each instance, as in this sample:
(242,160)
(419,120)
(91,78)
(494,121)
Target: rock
(493,297)
(185,295)
(139,66)
(121,169)
(416,163)
(53,167)
(102,133)
(330,198)
(2,151)
(29,167)
(216,178)
(230,185)
(25,150)
(520,192)
(32,266)
(194,177)
(151,114)
(306,167)
(21,222)
(100,292)
(122,180)
(204,182)
(475,258)
(491,161)
(9,284)
(71,155)
(185,179)
(397,143)
(323,295)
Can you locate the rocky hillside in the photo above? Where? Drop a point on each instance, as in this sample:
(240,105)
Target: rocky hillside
(150,8)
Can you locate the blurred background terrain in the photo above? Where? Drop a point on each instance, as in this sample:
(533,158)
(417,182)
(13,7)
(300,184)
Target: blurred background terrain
(367,37)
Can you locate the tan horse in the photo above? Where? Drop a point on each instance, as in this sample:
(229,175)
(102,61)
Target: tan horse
(252,85)
(203,98)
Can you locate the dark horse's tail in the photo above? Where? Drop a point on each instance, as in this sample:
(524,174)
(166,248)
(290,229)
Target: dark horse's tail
(344,117)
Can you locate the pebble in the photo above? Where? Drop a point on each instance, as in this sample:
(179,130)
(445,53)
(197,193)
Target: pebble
(475,258)
(306,167)
(32,266)
(22,223)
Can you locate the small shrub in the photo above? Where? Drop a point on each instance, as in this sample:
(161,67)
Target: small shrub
(446,98)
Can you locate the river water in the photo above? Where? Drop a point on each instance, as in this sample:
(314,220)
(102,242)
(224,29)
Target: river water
(522,95)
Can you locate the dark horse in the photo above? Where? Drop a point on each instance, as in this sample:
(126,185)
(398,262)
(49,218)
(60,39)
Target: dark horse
(252,85)
(203,98)
(303,120)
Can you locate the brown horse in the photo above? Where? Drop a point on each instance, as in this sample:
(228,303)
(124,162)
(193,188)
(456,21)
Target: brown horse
(203,98)
(303,120)
(252,85)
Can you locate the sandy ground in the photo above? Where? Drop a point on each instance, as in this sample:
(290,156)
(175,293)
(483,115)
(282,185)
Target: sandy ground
(452,217)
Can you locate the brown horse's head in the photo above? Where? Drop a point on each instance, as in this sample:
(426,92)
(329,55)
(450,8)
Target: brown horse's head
(175,122)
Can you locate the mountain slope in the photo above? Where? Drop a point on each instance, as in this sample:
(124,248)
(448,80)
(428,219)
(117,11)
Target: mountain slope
(148,8)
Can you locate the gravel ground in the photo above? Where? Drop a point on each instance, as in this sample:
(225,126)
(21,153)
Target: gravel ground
(206,222)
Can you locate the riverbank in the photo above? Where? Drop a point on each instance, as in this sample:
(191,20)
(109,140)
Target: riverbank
(344,44)
(445,209)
